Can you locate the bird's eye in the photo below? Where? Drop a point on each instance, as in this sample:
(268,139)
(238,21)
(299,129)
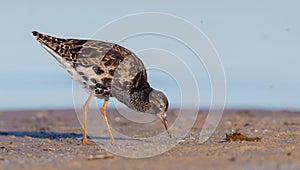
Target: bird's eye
(161,106)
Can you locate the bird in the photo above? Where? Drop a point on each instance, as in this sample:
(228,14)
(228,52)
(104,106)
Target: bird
(106,70)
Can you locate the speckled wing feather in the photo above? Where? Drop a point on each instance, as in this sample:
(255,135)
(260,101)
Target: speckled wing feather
(99,66)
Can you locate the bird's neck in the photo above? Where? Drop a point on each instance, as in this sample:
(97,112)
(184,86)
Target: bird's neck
(139,100)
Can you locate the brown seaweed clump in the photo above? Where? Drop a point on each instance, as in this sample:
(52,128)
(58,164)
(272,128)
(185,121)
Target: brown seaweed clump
(237,136)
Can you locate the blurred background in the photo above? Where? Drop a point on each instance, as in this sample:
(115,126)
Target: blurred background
(257,41)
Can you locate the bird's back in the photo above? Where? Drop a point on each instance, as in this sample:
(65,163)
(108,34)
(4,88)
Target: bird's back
(107,69)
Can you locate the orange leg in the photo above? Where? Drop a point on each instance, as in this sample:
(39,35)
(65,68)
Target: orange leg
(103,112)
(85,111)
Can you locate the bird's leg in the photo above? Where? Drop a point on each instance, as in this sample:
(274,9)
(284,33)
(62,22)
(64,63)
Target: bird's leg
(85,111)
(103,112)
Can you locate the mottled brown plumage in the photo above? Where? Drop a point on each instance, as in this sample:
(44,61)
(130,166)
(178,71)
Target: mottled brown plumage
(107,70)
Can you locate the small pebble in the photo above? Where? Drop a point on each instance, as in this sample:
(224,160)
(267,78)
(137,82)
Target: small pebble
(228,122)
(246,124)
(181,141)
(232,159)
(117,119)
(48,149)
(101,156)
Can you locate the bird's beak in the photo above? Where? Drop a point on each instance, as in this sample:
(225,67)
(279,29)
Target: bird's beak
(163,118)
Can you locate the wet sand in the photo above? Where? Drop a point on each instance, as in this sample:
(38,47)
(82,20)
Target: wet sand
(51,139)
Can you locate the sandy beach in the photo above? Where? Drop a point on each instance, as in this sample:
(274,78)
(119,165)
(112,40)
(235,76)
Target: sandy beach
(51,139)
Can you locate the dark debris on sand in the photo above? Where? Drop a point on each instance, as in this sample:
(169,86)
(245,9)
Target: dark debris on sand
(237,136)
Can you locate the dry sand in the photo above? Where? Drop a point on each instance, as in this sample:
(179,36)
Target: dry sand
(51,139)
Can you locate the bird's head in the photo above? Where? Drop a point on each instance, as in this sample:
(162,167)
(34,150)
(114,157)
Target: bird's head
(159,106)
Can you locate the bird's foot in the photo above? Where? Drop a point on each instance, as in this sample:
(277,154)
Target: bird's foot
(112,142)
(87,142)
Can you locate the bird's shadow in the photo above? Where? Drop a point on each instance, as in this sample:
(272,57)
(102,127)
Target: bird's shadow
(56,135)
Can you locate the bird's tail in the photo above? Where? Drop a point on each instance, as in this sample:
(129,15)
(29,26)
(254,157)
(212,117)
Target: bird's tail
(55,46)
(47,39)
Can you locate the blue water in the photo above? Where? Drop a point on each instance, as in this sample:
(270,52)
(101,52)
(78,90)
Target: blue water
(258,44)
